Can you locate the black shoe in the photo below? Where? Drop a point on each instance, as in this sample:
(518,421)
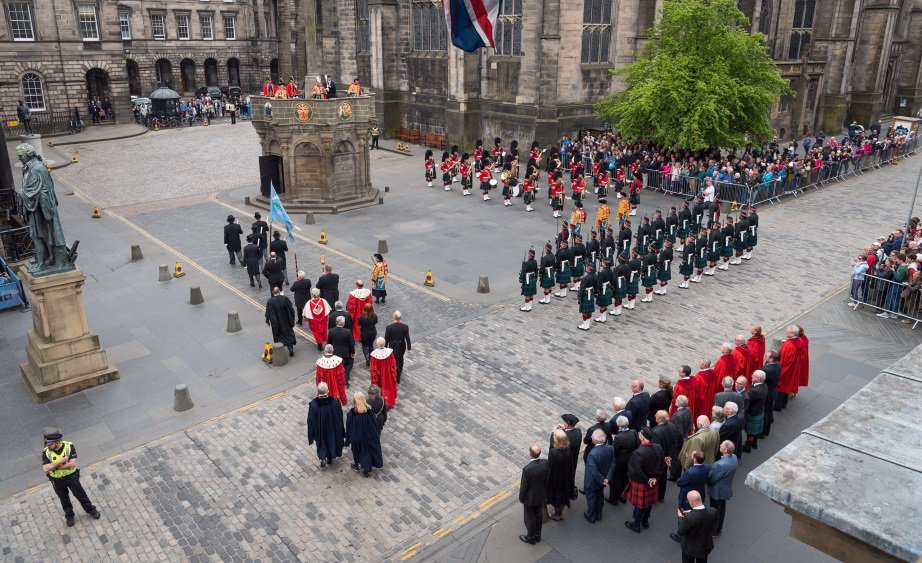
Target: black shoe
(252,284)
(70,521)
(755,444)
(232,263)
(291,352)
(630,526)
(95,514)
(747,448)
(611,502)
(645,523)
(676,537)
(527,539)
(588,519)
(365,475)
(354,467)
(323,463)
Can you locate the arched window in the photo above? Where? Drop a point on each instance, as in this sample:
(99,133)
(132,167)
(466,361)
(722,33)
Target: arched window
(33,92)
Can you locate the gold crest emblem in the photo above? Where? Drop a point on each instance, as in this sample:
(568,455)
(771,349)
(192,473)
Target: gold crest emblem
(304,112)
(345,111)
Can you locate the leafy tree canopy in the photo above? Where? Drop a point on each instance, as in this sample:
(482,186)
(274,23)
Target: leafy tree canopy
(703,81)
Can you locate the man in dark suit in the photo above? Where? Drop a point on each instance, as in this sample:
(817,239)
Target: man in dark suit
(772,371)
(601,423)
(728,394)
(755,413)
(720,482)
(695,478)
(343,344)
(252,256)
(532,494)
(328,284)
(669,438)
(639,405)
(280,247)
(329,86)
(337,313)
(397,336)
(232,233)
(598,466)
(732,428)
(302,290)
(623,445)
(260,233)
(273,271)
(618,406)
(696,526)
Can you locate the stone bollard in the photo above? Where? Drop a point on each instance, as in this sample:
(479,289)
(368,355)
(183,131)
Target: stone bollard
(246,200)
(195,296)
(382,246)
(182,400)
(387,189)
(233,322)
(380,201)
(279,355)
(483,285)
(309,218)
(165,274)
(136,252)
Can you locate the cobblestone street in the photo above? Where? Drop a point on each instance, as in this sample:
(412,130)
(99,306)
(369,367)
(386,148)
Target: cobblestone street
(483,380)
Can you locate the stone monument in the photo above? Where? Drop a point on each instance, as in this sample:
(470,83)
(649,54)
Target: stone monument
(63,355)
(315,152)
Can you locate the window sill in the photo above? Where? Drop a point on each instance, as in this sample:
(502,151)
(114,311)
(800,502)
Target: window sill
(595,66)
(96,40)
(159,38)
(183,38)
(32,40)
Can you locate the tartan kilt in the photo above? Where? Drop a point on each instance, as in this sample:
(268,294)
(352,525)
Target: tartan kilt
(621,293)
(578,269)
(687,269)
(465,181)
(649,281)
(702,262)
(754,425)
(633,287)
(430,174)
(659,242)
(557,202)
(634,199)
(563,276)
(446,177)
(671,238)
(726,251)
(485,186)
(547,281)
(714,256)
(600,191)
(681,233)
(752,240)
(586,306)
(641,495)
(604,298)
(530,288)
(507,190)
(739,245)
(665,274)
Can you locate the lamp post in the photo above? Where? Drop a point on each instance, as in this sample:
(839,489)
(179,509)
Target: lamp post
(913,204)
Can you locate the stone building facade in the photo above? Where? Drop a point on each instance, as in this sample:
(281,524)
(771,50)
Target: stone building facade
(57,53)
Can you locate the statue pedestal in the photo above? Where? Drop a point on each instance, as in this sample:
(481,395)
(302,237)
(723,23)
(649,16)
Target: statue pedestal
(64,356)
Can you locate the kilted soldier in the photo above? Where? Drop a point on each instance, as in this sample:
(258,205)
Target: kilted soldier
(446,167)
(621,274)
(605,284)
(497,153)
(528,277)
(649,273)
(753,237)
(726,243)
(698,221)
(557,193)
(658,225)
(587,295)
(563,265)
(636,186)
(485,177)
(534,155)
(633,279)
(508,180)
(478,155)
(702,245)
(455,161)
(624,238)
(687,268)
(564,233)
(715,239)
(609,246)
(740,233)
(548,264)
(601,183)
(664,267)
(685,226)
(578,252)
(430,168)
(644,236)
(465,169)
(593,249)
(529,188)
(672,225)
(578,186)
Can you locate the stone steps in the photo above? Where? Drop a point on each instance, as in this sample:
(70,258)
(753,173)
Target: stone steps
(309,205)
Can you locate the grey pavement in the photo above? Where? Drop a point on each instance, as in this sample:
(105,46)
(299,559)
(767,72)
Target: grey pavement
(480,385)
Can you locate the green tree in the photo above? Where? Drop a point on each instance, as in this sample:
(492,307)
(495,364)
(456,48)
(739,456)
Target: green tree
(703,81)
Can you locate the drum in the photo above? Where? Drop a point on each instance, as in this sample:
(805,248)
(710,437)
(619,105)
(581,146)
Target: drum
(492,182)
(516,190)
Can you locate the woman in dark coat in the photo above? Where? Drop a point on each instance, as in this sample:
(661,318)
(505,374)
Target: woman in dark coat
(558,480)
(368,322)
(661,400)
(363,436)
(377,406)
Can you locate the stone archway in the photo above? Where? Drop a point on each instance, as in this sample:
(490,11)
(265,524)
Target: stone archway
(134,78)
(97,83)
(164,71)
(187,75)
(211,72)
(233,72)
(308,170)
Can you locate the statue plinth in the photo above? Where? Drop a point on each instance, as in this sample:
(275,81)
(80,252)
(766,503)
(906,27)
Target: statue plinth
(64,356)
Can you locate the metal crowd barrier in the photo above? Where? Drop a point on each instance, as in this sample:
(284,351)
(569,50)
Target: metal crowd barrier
(887,297)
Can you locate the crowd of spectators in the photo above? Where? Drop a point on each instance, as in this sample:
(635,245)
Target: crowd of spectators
(887,275)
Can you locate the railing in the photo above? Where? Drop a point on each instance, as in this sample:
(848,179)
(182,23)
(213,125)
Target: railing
(17,244)
(791,185)
(43,123)
(892,299)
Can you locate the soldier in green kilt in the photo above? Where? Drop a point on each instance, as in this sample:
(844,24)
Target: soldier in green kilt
(726,243)
(672,225)
(687,267)
(633,279)
(562,264)
(685,226)
(604,281)
(528,277)
(740,232)
(620,274)
(752,237)
(593,249)
(624,238)
(698,212)
(714,240)
(548,265)
(664,267)
(649,273)
(658,224)
(578,253)
(702,244)
(587,295)
(644,237)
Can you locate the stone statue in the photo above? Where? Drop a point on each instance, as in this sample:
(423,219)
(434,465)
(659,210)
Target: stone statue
(39,207)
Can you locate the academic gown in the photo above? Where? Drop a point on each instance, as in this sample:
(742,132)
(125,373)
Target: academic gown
(725,367)
(790,366)
(316,313)
(743,357)
(355,306)
(280,314)
(363,436)
(710,383)
(330,370)
(383,370)
(757,349)
(804,373)
(325,426)
(689,387)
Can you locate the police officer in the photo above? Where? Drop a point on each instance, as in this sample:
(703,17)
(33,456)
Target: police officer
(375,133)
(59,462)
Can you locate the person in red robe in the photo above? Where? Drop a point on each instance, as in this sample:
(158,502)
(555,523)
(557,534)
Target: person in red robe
(804,379)
(688,387)
(330,370)
(708,382)
(743,356)
(756,345)
(726,364)
(355,306)
(792,357)
(316,313)
(383,369)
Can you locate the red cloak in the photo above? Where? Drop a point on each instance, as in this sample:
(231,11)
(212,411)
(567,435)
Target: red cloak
(688,387)
(804,373)
(757,349)
(355,306)
(743,358)
(316,313)
(707,388)
(790,366)
(383,369)
(725,367)
(330,370)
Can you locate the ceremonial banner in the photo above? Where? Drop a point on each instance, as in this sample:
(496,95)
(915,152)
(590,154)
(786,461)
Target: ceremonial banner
(471,22)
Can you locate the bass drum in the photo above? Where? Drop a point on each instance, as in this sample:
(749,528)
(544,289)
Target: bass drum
(516,190)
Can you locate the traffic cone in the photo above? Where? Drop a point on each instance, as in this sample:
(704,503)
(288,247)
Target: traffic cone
(267,353)
(50,143)
(73,158)
(177,271)
(429,281)
(96,214)
(323,237)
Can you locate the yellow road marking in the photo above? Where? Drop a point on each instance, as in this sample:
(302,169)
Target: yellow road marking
(214,197)
(441,532)
(411,551)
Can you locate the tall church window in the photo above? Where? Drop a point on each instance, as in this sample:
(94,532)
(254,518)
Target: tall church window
(429,33)
(801,29)
(508,33)
(596,31)
(364,31)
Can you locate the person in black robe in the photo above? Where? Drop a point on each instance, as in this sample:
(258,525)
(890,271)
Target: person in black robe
(260,234)
(274,271)
(363,436)
(280,247)
(325,425)
(302,291)
(560,462)
(575,435)
(280,315)
(251,258)
(661,400)
(232,233)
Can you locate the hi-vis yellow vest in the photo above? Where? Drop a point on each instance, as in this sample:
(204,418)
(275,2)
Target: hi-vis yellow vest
(53,457)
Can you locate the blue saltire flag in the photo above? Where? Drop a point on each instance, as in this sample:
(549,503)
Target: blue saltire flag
(471,22)
(277,212)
